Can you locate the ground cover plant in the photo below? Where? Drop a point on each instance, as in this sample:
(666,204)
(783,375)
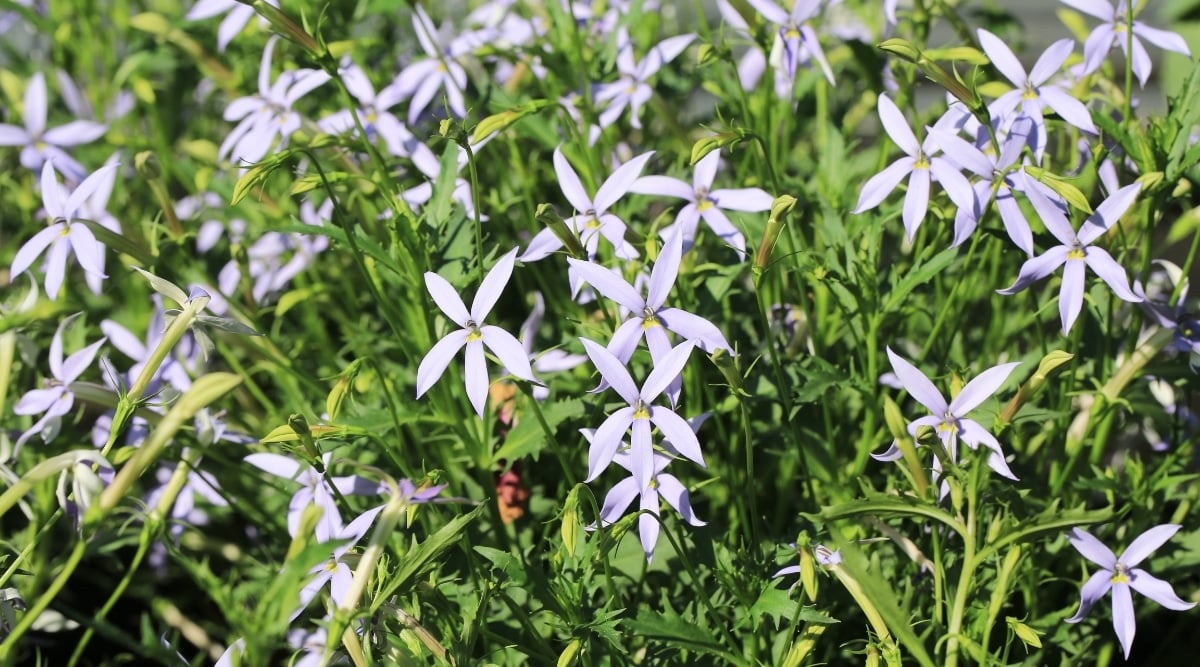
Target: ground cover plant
(609,333)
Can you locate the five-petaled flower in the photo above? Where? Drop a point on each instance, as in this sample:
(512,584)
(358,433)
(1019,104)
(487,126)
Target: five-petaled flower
(1122,574)
(632,89)
(1031,92)
(592,219)
(706,203)
(919,165)
(639,415)
(473,335)
(57,399)
(66,232)
(39,145)
(948,419)
(1076,251)
(1115,32)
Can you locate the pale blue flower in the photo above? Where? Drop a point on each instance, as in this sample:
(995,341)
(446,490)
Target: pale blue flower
(1113,32)
(1077,251)
(473,335)
(948,420)
(1122,574)
(639,414)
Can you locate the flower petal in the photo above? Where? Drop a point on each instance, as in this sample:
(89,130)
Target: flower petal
(666,269)
(612,370)
(1092,549)
(917,385)
(1158,590)
(662,185)
(1124,620)
(568,181)
(609,284)
(509,351)
(1036,268)
(493,284)
(606,441)
(446,298)
(434,363)
(1147,542)
(665,371)
(1070,298)
(693,327)
(916,202)
(1002,57)
(617,500)
(616,185)
(678,433)
(896,126)
(1051,61)
(1070,109)
(1103,265)
(476,376)
(879,186)
(981,388)
(676,495)
(1093,590)
(1108,213)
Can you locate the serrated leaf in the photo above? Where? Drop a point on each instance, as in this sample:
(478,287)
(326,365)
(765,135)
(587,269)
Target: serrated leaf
(506,563)
(776,603)
(424,555)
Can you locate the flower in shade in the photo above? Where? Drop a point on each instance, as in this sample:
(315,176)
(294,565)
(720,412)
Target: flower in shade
(1114,32)
(704,203)
(39,145)
(632,89)
(440,69)
(473,335)
(1031,92)
(639,414)
(1122,574)
(1077,251)
(592,219)
(949,420)
(317,488)
(57,399)
(67,233)
(919,165)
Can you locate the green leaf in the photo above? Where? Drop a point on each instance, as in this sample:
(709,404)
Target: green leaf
(506,563)
(424,555)
(776,603)
(528,439)
(918,276)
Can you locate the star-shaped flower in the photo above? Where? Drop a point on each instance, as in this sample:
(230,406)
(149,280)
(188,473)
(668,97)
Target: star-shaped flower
(706,203)
(632,89)
(473,335)
(1122,574)
(592,219)
(1076,251)
(795,42)
(949,420)
(647,315)
(1031,92)
(1113,32)
(56,399)
(38,144)
(66,232)
(639,415)
(919,165)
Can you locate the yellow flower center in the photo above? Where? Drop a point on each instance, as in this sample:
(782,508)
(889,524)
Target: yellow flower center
(1076,253)
(641,410)
(473,332)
